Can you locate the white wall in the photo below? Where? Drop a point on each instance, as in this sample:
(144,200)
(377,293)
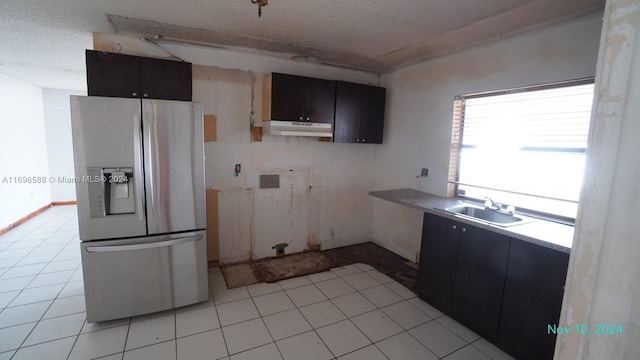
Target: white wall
(420,107)
(322,199)
(57,119)
(603,283)
(23,151)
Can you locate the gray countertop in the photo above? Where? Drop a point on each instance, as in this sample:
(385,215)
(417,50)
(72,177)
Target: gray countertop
(541,232)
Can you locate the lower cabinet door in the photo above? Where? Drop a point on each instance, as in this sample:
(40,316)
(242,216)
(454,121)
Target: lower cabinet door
(532,301)
(137,276)
(438,256)
(479,282)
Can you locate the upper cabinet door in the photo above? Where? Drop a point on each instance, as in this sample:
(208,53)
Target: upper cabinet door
(372,120)
(298,98)
(320,97)
(118,75)
(113,75)
(359,113)
(165,79)
(348,112)
(287,97)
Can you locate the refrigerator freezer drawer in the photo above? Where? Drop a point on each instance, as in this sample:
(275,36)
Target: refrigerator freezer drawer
(131,277)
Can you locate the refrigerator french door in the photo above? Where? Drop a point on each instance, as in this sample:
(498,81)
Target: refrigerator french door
(141,205)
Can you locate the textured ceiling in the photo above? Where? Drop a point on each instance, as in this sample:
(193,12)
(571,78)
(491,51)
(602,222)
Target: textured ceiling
(43,41)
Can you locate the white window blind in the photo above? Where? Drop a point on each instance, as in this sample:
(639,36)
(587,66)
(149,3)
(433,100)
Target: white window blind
(525,148)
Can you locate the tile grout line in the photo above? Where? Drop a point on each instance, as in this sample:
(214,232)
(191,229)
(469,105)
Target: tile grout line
(218,317)
(41,317)
(356,326)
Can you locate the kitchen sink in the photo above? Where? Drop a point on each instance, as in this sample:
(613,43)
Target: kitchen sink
(491,216)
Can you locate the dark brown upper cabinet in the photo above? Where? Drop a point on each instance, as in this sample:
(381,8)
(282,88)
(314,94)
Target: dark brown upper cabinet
(298,98)
(359,116)
(119,75)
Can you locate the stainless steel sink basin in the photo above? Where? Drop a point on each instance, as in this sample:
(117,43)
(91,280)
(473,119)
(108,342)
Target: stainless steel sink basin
(487,215)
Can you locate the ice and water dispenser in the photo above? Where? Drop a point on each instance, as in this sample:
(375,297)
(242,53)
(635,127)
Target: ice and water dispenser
(111,191)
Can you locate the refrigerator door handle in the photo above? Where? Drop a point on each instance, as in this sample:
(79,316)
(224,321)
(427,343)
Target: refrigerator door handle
(149,160)
(139,169)
(114,248)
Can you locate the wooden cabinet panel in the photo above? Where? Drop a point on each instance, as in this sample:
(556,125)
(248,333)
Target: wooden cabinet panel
(165,79)
(372,120)
(481,269)
(287,97)
(537,257)
(299,98)
(213,252)
(320,97)
(532,300)
(359,113)
(113,75)
(118,75)
(504,289)
(348,113)
(438,261)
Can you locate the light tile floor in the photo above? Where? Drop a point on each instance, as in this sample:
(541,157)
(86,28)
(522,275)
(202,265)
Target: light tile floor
(353,312)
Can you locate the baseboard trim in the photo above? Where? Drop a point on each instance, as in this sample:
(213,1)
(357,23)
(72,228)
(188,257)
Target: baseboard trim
(13,225)
(58,203)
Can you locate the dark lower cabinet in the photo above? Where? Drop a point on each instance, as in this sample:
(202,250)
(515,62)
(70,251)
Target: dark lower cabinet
(481,268)
(438,261)
(506,290)
(532,300)
(462,271)
(127,76)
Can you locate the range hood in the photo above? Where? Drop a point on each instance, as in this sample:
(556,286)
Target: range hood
(296,128)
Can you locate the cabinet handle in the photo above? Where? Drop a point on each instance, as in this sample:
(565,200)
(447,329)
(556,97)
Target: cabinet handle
(145,95)
(134,94)
(363,140)
(300,118)
(308,119)
(454,227)
(357,140)
(464,229)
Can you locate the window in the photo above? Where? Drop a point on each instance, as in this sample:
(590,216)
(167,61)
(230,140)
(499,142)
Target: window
(523,147)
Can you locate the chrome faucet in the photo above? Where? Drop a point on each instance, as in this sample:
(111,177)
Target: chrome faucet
(489,203)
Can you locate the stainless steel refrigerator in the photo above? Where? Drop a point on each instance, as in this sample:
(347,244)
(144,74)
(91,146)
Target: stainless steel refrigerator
(141,204)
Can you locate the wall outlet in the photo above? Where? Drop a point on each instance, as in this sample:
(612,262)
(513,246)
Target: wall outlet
(424,172)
